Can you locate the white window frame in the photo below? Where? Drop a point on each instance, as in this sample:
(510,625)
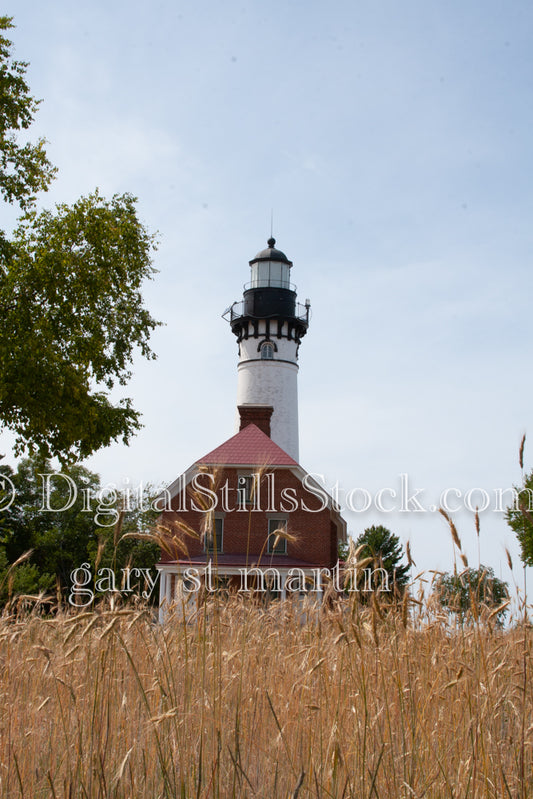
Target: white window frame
(267,346)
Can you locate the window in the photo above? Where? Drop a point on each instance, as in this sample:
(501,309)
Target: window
(246,489)
(214,537)
(277,545)
(270,273)
(267,351)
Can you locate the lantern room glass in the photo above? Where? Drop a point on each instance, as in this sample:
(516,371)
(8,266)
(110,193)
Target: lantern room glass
(270,273)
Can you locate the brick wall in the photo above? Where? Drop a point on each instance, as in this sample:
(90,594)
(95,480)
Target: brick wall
(281,495)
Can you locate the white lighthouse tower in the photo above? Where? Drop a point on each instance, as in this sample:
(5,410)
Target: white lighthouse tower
(269,325)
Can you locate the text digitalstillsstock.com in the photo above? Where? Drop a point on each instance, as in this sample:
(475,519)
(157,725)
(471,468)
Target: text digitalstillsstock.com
(259,494)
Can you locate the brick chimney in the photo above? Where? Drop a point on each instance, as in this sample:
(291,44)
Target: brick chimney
(256,414)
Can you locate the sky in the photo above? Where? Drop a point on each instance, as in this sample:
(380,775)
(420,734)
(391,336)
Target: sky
(392,144)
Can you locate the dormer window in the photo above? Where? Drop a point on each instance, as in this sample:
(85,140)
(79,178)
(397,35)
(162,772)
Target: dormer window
(267,351)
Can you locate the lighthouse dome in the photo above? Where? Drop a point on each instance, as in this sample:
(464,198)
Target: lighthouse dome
(271,254)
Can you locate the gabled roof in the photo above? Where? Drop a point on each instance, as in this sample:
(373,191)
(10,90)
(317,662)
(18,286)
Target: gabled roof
(250,447)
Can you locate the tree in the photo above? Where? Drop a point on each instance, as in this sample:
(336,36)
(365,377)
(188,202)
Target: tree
(520,518)
(70,298)
(58,540)
(129,543)
(24,169)
(64,520)
(470,590)
(384,551)
(343,550)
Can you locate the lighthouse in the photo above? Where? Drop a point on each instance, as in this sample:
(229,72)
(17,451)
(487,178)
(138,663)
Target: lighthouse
(269,325)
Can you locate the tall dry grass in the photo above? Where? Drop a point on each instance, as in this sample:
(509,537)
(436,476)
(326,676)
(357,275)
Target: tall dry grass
(243,701)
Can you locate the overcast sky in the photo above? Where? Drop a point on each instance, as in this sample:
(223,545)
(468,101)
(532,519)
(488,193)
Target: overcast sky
(393,142)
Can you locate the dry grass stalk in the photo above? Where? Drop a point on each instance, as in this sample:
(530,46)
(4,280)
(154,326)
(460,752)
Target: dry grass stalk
(277,701)
(521,451)
(453,529)
(410,560)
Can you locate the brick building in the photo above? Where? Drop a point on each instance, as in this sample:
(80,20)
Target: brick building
(246,515)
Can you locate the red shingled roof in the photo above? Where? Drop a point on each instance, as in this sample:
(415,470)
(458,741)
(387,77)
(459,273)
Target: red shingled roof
(250,447)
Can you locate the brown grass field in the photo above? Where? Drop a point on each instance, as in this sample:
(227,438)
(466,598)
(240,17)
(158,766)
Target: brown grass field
(244,701)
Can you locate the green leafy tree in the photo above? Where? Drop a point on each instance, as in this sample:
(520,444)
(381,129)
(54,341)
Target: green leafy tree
(59,539)
(20,578)
(343,550)
(467,592)
(70,298)
(24,168)
(127,544)
(64,519)
(383,551)
(520,518)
